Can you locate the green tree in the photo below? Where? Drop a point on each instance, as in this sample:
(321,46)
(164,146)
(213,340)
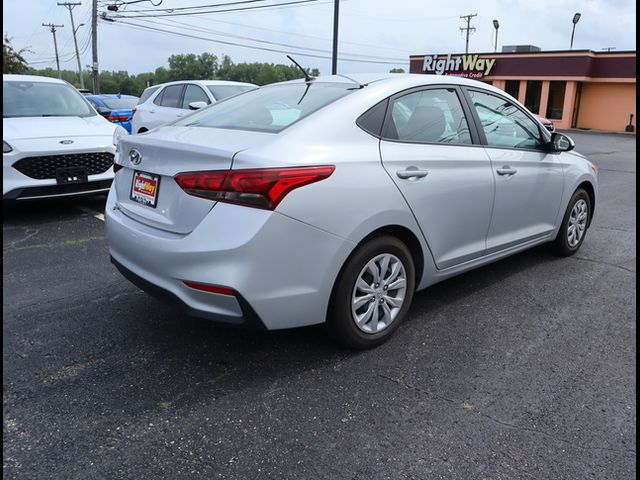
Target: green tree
(12,60)
(396,70)
(193,67)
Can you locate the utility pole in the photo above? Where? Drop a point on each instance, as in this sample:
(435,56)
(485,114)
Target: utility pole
(334,57)
(468,28)
(75,40)
(53,27)
(608,49)
(94,47)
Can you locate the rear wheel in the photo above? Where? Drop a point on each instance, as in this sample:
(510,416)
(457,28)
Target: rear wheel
(372,294)
(574,225)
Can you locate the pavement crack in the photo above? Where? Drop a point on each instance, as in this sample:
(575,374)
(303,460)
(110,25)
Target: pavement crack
(601,262)
(28,233)
(471,409)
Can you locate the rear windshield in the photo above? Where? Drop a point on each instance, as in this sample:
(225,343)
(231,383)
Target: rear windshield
(115,103)
(43,99)
(268,109)
(147,93)
(223,91)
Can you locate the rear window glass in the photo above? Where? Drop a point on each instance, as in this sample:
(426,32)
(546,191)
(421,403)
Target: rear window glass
(224,91)
(269,109)
(117,103)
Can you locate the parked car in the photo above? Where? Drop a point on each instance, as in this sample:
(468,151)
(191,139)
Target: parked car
(54,142)
(325,201)
(168,102)
(546,123)
(116,108)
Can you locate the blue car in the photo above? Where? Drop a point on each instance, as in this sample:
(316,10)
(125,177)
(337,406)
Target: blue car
(116,108)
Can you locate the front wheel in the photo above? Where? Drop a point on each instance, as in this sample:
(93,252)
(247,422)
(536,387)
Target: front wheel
(574,225)
(372,294)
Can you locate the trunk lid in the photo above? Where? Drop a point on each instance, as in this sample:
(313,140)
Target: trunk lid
(163,154)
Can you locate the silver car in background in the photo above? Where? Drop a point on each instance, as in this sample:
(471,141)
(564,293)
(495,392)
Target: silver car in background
(333,200)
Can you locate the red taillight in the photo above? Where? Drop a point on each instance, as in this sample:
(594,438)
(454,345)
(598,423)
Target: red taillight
(210,288)
(261,188)
(118,118)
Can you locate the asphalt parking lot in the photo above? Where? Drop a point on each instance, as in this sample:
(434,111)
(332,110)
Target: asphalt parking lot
(524,369)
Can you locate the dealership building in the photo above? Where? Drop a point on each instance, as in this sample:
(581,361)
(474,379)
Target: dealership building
(574,89)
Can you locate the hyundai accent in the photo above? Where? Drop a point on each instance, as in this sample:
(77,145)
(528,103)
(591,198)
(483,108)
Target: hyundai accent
(332,200)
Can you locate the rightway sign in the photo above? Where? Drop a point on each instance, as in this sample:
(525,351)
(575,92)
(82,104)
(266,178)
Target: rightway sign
(468,66)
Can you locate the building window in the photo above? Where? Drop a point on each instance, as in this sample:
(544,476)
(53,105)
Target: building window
(512,87)
(556,100)
(532,97)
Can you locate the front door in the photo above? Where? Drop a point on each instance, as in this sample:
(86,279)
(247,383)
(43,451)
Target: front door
(529,180)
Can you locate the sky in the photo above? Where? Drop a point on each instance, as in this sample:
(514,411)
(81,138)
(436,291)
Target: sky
(379,34)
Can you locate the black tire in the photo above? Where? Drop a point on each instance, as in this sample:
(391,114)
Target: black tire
(560,246)
(340,322)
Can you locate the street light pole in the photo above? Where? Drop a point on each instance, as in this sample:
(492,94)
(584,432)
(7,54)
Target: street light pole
(496,25)
(576,17)
(75,40)
(334,56)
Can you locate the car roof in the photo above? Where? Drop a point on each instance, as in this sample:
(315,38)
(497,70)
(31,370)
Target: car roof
(204,83)
(111,95)
(7,77)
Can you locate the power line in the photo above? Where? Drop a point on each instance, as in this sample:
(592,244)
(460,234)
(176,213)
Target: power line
(468,28)
(255,7)
(213,5)
(255,47)
(186,26)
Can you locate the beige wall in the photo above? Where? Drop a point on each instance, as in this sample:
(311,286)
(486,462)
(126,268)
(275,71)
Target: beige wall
(607,106)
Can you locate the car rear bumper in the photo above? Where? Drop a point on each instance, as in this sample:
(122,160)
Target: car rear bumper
(282,270)
(248,317)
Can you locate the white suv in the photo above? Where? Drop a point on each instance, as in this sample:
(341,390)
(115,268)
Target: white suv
(164,103)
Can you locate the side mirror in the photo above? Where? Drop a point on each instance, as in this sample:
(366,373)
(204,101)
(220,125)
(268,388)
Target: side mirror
(197,105)
(105,112)
(561,143)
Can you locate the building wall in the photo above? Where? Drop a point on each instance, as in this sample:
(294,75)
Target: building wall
(607,106)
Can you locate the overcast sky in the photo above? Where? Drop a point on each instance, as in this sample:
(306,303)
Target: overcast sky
(370,30)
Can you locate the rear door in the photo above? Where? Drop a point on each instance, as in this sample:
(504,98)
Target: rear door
(431,153)
(166,106)
(529,180)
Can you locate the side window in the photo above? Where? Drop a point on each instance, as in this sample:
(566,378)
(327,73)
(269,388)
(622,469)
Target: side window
(146,94)
(194,93)
(504,124)
(171,96)
(430,116)
(158,99)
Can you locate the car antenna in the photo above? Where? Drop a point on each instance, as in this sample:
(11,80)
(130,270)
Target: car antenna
(360,85)
(307,77)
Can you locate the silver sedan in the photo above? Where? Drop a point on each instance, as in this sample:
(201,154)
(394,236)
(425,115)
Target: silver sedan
(332,200)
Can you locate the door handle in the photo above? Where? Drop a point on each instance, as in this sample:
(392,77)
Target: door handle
(412,172)
(506,170)
(152,111)
(180,115)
